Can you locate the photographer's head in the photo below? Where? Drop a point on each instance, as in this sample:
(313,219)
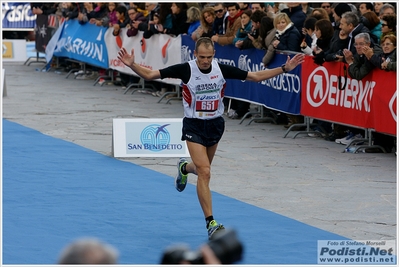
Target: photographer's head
(88,251)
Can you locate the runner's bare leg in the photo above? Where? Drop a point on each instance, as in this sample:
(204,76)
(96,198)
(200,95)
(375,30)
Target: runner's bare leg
(202,157)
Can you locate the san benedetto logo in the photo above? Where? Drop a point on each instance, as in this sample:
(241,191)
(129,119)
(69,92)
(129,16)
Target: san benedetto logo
(155,138)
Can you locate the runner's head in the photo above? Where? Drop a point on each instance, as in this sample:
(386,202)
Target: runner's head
(204,52)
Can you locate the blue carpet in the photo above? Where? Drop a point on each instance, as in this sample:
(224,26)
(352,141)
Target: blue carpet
(55,191)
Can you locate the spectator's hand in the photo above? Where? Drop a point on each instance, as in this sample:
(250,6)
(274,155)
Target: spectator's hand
(275,43)
(125,57)
(368,52)
(304,31)
(136,24)
(80,16)
(215,38)
(128,26)
(93,21)
(239,44)
(160,27)
(348,56)
(384,64)
(116,27)
(304,44)
(250,37)
(37,11)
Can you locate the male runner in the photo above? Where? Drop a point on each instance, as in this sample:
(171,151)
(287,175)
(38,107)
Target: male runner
(203,124)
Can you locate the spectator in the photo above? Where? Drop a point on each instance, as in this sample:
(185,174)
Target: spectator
(140,8)
(365,7)
(351,25)
(246,28)
(243,6)
(328,7)
(253,40)
(388,25)
(88,251)
(306,8)
(340,39)
(179,19)
(267,32)
(387,59)
(359,65)
(165,15)
(221,19)
(324,32)
(386,9)
(296,15)
(287,35)
(205,29)
(112,14)
(123,20)
(258,6)
(71,10)
(233,24)
(151,8)
(86,13)
(373,23)
(193,18)
(377,7)
(309,29)
(320,13)
(100,16)
(154,27)
(134,15)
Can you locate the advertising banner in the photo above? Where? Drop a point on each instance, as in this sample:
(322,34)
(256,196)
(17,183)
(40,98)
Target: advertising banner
(17,15)
(83,43)
(331,95)
(158,52)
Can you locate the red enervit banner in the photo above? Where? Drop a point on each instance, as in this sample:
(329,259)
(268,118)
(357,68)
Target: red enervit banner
(366,103)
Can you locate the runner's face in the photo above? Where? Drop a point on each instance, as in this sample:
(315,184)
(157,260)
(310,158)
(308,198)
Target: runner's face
(204,56)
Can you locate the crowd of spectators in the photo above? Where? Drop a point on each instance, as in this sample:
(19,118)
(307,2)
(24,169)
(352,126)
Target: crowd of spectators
(362,35)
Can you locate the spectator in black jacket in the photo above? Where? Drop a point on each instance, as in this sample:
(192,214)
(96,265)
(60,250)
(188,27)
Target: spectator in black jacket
(253,40)
(340,40)
(359,64)
(152,8)
(296,15)
(351,25)
(220,23)
(179,19)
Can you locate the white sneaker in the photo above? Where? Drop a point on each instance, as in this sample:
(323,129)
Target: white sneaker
(79,72)
(348,141)
(339,141)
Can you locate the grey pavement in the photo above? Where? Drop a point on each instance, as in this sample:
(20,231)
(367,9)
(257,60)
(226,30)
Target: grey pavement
(307,179)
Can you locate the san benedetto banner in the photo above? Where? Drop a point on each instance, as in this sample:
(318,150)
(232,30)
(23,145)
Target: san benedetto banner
(148,138)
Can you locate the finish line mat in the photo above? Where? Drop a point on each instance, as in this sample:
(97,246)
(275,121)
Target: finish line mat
(55,191)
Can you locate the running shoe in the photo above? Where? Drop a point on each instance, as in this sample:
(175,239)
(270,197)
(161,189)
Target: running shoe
(181,179)
(213,227)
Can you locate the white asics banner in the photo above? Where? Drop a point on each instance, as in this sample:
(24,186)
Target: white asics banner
(148,138)
(162,51)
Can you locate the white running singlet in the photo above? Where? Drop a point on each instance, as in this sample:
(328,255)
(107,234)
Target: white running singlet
(203,94)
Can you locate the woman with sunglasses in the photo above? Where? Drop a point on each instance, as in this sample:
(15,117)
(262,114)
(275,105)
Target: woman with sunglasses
(388,25)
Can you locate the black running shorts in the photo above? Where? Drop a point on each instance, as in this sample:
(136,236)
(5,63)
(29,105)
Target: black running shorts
(204,132)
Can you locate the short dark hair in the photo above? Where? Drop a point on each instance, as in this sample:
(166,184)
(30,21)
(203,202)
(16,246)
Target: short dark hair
(369,5)
(326,28)
(236,5)
(121,9)
(391,21)
(258,15)
(310,22)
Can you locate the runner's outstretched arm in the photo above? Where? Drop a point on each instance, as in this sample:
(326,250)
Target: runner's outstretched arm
(290,64)
(128,60)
